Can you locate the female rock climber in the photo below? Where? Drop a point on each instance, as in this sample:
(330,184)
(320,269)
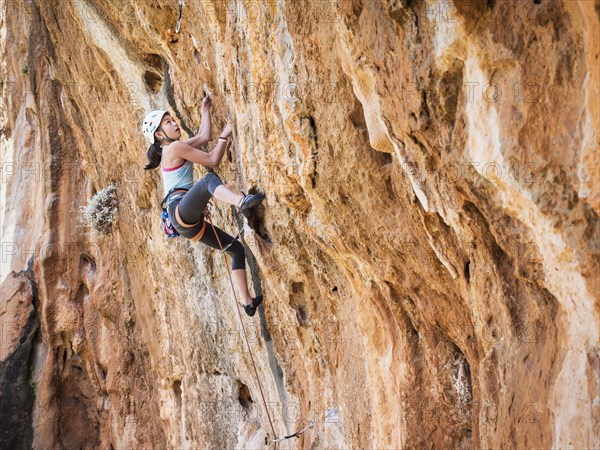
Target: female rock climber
(187,209)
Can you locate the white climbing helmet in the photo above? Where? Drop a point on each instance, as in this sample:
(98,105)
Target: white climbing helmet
(151,123)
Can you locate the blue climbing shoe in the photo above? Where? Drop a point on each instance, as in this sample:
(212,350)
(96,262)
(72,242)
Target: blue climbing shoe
(248,202)
(251,308)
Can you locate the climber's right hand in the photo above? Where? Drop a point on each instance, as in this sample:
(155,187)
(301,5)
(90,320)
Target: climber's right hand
(206,104)
(227,131)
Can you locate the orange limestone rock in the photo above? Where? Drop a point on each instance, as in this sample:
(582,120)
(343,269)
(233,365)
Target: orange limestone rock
(428,247)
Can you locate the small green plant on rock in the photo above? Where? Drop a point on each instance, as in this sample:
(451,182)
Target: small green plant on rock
(101,210)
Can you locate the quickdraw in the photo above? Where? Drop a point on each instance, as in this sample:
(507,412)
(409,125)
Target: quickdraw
(311,424)
(179,20)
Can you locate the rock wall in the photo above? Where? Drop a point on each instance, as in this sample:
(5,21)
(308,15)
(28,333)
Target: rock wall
(18,303)
(428,247)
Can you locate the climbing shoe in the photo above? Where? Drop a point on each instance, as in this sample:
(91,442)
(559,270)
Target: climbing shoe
(251,308)
(248,202)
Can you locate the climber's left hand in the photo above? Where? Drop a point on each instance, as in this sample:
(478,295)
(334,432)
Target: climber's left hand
(206,104)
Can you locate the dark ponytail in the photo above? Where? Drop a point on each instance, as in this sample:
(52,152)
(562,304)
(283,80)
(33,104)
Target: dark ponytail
(154,156)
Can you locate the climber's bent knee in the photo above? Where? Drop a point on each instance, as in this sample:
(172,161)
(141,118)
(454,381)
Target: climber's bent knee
(212,182)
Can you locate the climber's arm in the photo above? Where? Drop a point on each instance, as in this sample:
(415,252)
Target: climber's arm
(218,152)
(204,133)
(198,141)
(185,151)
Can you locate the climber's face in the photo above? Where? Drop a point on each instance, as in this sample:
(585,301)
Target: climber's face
(168,128)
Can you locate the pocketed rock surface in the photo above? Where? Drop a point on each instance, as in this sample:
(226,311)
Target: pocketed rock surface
(428,247)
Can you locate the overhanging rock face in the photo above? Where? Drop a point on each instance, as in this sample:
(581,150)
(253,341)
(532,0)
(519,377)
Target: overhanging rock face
(427,248)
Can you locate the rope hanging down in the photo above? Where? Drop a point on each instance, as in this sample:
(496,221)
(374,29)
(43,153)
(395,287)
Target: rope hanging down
(237,304)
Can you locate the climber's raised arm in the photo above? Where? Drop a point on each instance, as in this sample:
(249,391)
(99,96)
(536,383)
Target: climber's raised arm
(219,150)
(204,133)
(199,140)
(211,159)
(185,151)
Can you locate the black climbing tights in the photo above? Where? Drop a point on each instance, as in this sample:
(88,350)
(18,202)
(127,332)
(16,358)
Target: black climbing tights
(195,200)
(236,250)
(191,207)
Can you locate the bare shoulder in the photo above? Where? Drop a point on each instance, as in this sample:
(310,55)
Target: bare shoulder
(169,158)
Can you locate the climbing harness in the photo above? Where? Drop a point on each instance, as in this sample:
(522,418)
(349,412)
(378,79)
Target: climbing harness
(275,439)
(166,225)
(165,221)
(179,20)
